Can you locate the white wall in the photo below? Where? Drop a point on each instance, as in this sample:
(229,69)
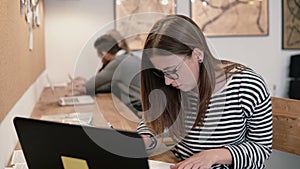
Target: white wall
(69,25)
(24,107)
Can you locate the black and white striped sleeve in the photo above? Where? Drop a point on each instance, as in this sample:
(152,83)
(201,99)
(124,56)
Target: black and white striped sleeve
(143,129)
(256,105)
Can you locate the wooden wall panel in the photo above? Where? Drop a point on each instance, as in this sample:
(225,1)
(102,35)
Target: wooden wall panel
(286,125)
(19,67)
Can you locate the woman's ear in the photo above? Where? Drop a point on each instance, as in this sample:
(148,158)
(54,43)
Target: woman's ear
(198,55)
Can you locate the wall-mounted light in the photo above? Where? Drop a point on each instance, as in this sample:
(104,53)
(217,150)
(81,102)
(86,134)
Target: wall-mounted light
(204,3)
(119,2)
(164,2)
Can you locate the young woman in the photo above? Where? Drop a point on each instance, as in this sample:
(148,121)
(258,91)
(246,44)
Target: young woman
(217,112)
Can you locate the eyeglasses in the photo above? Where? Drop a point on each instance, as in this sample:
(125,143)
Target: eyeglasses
(171,74)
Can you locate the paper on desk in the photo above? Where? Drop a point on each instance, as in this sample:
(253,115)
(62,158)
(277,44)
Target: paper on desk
(159,164)
(82,118)
(18,157)
(18,160)
(20,166)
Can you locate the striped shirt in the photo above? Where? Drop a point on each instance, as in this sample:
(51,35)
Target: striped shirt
(239,118)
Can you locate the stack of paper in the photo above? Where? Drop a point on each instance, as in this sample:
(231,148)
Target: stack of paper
(18,160)
(159,164)
(82,118)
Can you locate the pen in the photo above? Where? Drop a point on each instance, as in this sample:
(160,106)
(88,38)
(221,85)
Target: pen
(109,125)
(70,77)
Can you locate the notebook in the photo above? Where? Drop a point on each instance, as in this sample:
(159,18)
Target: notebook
(50,145)
(70,101)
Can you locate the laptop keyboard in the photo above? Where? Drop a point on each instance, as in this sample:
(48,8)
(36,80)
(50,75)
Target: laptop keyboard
(71,100)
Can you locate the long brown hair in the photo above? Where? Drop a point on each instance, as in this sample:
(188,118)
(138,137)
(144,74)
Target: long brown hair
(179,35)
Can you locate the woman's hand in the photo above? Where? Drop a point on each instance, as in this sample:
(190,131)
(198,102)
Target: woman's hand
(205,159)
(150,142)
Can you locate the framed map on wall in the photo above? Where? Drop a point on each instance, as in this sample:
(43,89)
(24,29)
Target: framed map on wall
(291,24)
(134,18)
(231,17)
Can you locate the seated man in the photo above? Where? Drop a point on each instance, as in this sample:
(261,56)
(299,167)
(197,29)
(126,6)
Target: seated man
(107,79)
(126,82)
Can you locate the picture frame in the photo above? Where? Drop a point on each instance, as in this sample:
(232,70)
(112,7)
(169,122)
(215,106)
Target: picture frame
(135,18)
(231,18)
(290,25)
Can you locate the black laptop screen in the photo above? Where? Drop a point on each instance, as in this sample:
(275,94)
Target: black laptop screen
(51,145)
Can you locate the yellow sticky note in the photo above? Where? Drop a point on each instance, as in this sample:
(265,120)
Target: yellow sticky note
(74,163)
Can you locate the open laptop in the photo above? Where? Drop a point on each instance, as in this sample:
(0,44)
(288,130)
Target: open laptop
(51,145)
(70,101)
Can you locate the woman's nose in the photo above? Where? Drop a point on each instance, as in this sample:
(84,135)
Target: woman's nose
(168,81)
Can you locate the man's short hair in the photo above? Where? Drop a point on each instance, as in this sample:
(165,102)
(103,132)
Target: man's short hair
(106,43)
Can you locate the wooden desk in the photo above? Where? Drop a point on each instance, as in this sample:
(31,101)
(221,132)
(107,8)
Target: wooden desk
(108,108)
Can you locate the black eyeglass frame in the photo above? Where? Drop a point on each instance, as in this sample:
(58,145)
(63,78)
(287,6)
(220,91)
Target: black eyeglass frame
(171,74)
